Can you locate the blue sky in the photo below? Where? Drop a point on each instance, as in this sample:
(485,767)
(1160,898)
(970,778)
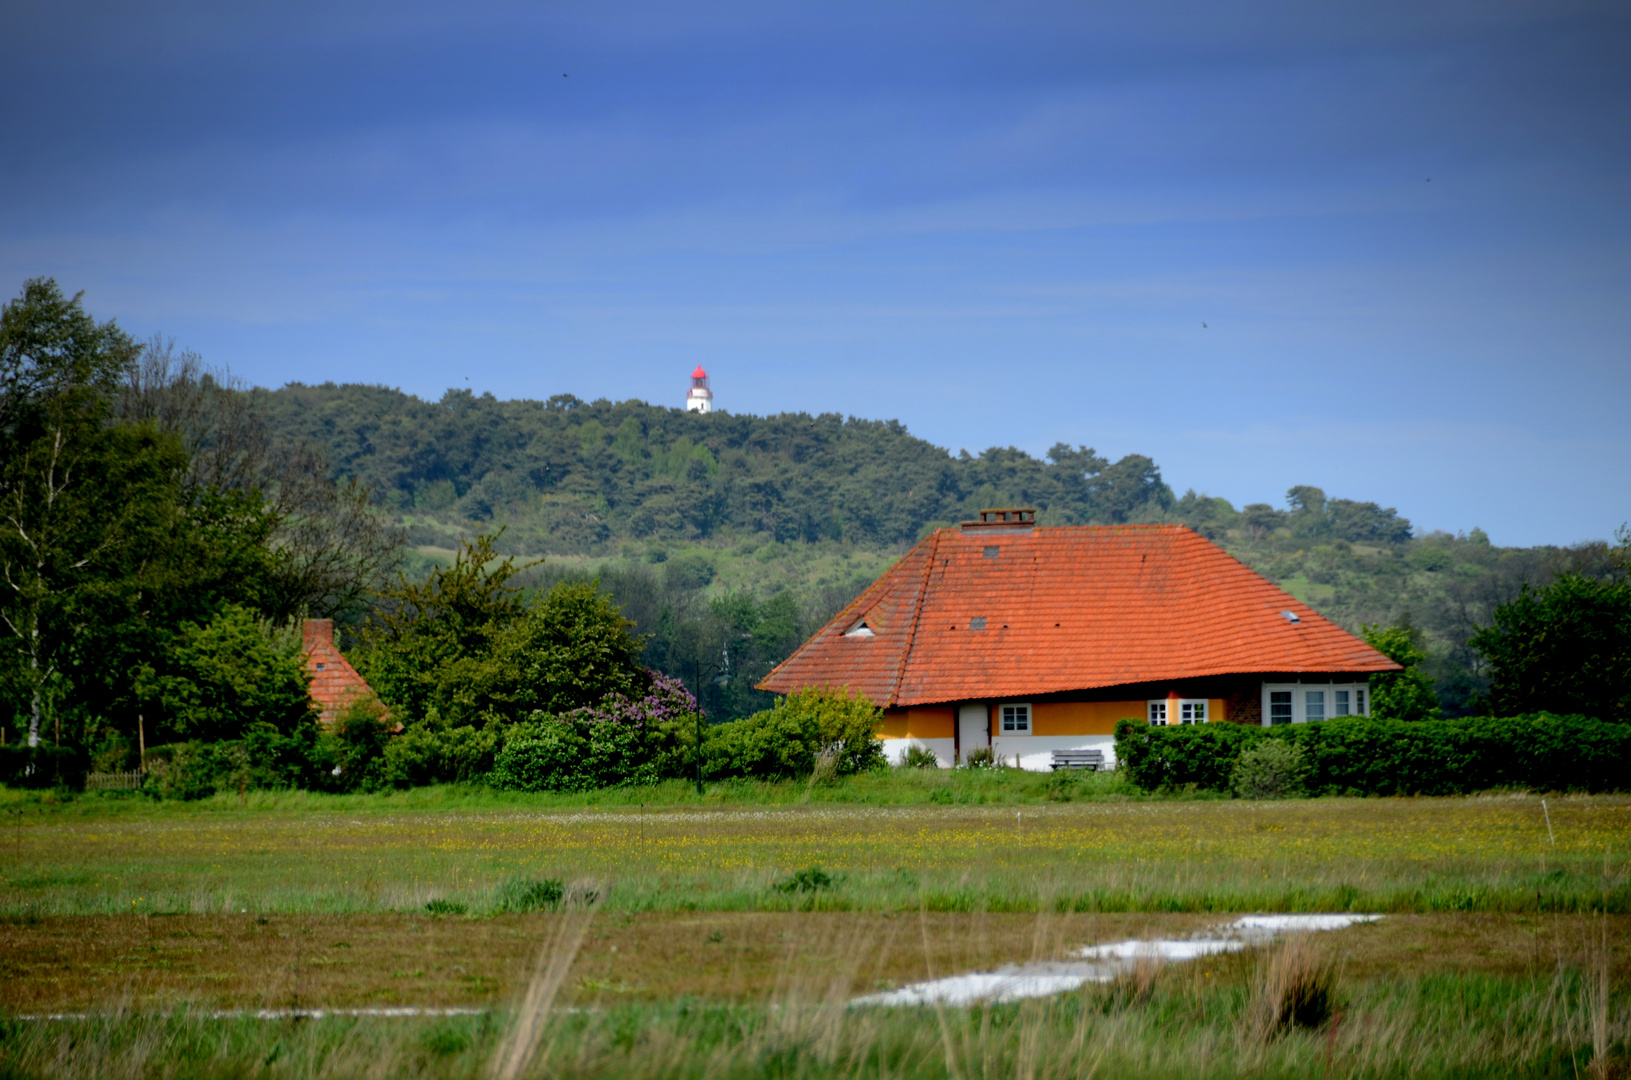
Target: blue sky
(1406,226)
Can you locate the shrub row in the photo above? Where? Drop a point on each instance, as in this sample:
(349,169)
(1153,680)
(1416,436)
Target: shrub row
(1361,756)
(42,766)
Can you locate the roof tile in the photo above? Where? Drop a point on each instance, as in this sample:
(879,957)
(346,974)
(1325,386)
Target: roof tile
(1066,608)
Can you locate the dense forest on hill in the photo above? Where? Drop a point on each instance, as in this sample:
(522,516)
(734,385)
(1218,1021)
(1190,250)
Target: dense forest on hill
(691,518)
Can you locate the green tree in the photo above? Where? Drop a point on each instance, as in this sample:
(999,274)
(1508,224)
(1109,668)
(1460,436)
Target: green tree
(228,675)
(1407,694)
(428,640)
(568,651)
(64,477)
(1565,648)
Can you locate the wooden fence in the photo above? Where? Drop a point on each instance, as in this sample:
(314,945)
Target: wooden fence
(114,781)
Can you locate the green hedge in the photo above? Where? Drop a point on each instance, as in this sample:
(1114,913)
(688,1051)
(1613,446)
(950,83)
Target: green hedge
(42,766)
(1359,756)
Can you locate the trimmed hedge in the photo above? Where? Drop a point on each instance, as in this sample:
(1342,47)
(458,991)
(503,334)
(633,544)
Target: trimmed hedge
(42,766)
(1360,756)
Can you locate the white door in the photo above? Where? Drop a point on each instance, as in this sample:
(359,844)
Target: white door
(973,729)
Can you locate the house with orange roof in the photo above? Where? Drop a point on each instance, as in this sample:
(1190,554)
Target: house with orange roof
(335,684)
(1031,640)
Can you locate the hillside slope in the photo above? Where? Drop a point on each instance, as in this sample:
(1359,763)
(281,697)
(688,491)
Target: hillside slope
(674,508)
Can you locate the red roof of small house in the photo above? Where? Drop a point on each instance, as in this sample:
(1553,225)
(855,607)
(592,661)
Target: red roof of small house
(335,684)
(1065,608)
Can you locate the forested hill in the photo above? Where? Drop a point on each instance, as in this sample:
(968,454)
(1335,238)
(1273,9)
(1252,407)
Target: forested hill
(574,476)
(568,476)
(670,508)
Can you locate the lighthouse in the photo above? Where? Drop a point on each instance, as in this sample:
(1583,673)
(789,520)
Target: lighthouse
(699,398)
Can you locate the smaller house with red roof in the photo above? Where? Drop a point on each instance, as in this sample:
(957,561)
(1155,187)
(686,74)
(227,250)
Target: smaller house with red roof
(1033,640)
(335,684)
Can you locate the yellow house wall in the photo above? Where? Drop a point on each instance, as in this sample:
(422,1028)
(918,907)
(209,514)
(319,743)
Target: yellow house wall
(1081,717)
(932,722)
(1097,717)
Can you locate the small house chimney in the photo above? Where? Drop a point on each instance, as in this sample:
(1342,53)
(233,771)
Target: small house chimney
(1003,519)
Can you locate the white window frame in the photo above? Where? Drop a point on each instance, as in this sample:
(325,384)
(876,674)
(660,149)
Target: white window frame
(1358,699)
(1156,712)
(1187,708)
(1022,714)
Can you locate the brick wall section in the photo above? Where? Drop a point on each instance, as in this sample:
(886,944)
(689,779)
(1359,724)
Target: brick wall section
(334,682)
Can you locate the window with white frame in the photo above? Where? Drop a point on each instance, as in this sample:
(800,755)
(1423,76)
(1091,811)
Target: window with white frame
(1311,703)
(1158,713)
(1016,719)
(1192,711)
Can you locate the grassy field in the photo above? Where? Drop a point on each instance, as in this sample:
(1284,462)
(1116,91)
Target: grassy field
(954,841)
(730,929)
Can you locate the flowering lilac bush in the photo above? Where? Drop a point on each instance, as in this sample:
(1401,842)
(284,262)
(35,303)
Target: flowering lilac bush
(623,740)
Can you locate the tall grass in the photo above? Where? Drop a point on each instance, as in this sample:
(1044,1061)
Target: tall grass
(1186,1026)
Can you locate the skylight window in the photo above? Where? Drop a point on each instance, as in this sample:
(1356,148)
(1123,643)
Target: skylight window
(992,551)
(1291,616)
(860,630)
(977,623)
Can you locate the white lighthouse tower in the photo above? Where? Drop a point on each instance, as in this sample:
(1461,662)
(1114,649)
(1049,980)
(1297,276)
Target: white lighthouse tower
(699,398)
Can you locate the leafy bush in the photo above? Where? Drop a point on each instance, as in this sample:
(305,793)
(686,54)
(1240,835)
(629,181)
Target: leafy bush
(446,907)
(624,741)
(786,740)
(571,650)
(194,770)
(919,757)
(981,757)
(1566,647)
(1388,757)
(520,895)
(357,745)
(1401,695)
(430,751)
(220,678)
(1273,769)
(42,766)
(810,879)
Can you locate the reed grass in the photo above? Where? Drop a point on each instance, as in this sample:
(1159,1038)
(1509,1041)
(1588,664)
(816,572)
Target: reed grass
(1185,1026)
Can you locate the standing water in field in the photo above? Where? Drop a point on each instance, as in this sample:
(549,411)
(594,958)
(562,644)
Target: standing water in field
(1102,963)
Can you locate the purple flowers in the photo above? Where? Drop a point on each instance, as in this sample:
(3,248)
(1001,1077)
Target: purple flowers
(667,700)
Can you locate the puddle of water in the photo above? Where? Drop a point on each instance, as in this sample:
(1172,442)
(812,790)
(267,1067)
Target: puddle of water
(1102,963)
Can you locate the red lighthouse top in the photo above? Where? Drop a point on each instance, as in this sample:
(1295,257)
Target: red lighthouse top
(699,373)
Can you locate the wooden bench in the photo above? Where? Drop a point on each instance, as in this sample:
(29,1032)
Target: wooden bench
(1092,760)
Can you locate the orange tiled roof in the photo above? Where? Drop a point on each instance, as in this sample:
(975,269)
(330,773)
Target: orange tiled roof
(334,682)
(1065,608)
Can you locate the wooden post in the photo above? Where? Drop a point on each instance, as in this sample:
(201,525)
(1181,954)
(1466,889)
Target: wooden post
(141,740)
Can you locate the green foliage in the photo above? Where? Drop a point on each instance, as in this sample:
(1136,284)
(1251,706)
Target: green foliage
(1273,769)
(356,743)
(787,740)
(519,895)
(981,757)
(428,642)
(570,650)
(810,879)
(42,766)
(220,678)
(430,751)
(919,757)
(1363,756)
(1564,648)
(446,907)
(1401,695)
(565,482)
(623,741)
